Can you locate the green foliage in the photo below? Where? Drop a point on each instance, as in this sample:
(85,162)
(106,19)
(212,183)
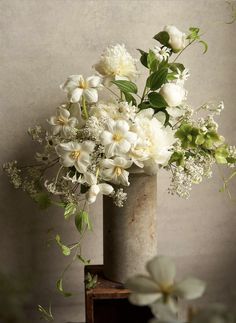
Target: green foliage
(90,281)
(82,221)
(157,79)
(194,36)
(163,38)
(126,86)
(143,58)
(178,158)
(43,200)
(175,66)
(152,61)
(156,100)
(65,250)
(46,314)
(222,154)
(83,260)
(70,209)
(129,98)
(59,286)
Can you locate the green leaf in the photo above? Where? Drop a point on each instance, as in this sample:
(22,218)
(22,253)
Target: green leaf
(126,86)
(205,45)
(60,288)
(157,79)
(65,250)
(221,154)
(83,260)
(156,100)
(129,98)
(163,37)
(175,66)
(43,200)
(82,221)
(144,105)
(70,209)
(178,158)
(152,61)
(90,281)
(143,58)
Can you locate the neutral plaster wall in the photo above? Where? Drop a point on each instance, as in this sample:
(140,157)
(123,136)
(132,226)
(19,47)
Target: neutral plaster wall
(42,42)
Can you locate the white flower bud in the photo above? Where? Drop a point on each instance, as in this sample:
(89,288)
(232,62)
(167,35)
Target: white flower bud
(177,39)
(173,93)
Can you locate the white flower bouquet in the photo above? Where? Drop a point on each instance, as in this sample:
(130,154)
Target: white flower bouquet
(92,145)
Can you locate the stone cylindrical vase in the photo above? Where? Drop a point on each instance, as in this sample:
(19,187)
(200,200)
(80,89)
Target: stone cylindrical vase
(130,232)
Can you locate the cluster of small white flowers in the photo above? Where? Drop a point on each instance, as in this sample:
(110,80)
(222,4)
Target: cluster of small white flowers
(13,172)
(29,186)
(119,197)
(207,123)
(36,133)
(214,107)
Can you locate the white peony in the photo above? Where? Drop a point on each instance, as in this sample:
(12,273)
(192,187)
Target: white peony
(63,122)
(117,139)
(116,63)
(77,87)
(177,39)
(157,140)
(114,170)
(159,287)
(174,94)
(75,154)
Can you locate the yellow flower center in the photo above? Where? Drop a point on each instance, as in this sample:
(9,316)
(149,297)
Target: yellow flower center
(61,120)
(83,84)
(75,154)
(117,137)
(118,171)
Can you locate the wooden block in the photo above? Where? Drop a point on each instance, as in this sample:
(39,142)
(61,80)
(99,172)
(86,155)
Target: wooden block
(108,302)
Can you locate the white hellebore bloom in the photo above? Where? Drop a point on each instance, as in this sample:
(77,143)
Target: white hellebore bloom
(75,154)
(95,188)
(174,94)
(117,139)
(161,53)
(177,39)
(114,170)
(116,63)
(76,87)
(159,287)
(63,122)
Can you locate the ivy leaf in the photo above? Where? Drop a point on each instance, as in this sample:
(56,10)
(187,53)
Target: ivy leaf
(70,209)
(82,221)
(156,79)
(156,100)
(163,38)
(43,200)
(65,250)
(126,86)
(59,285)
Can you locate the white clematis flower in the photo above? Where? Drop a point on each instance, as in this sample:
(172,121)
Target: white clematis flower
(117,139)
(76,87)
(114,170)
(160,286)
(75,154)
(174,94)
(181,76)
(116,63)
(95,188)
(162,53)
(177,39)
(63,122)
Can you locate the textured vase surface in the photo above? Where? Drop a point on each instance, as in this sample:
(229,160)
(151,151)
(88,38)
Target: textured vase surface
(130,232)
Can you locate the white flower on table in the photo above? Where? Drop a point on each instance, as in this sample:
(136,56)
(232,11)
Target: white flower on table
(76,87)
(95,188)
(161,53)
(174,94)
(117,139)
(114,170)
(116,63)
(63,122)
(177,39)
(159,287)
(75,154)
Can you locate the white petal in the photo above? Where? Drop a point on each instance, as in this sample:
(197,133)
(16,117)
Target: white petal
(107,163)
(142,284)
(76,78)
(105,189)
(123,147)
(190,288)
(56,130)
(91,195)
(90,178)
(162,270)
(76,95)
(67,161)
(88,146)
(106,137)
(163,311)
(81,165)
(93,81)
(69,86)
(122,162)
(131,136)
(91,95)
(52,121)
(124,178)
(63,112)
(111,150)
(143,299)
(121,126)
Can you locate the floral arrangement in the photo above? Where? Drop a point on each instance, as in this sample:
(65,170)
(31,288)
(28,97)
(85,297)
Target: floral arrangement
(94,144)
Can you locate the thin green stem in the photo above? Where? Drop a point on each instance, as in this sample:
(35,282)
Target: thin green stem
(183,50)
(84,108)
